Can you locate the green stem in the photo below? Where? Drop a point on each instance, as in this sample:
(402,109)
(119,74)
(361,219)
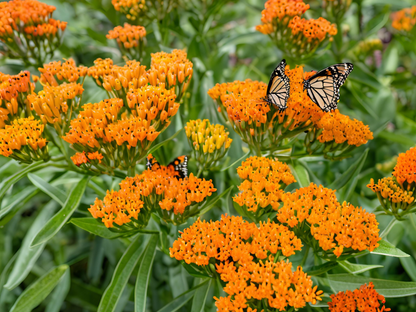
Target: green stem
(388,228)
(305,256)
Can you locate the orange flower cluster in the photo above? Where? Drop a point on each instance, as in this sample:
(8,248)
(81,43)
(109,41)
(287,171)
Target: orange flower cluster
(365,299)
(32,20)
(168,70)
(64,72)
(98,128)
(55,105)
(155,104)
(158,190)
(131,8)
(264,182)
(233,239)
(259,123)
(130,40)
(404,19)
(333,225)
(22,140)
(142,11)
(405,169)
(14,90)
(304,37)
(253,284)
(82,158)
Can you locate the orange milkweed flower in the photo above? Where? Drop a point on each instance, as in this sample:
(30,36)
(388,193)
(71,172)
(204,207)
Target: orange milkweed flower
(269,282)
(335,226)
(263,185)
(130,40)
(209,142)
(233,239)
(131,8)
(259,123)
(364,299)
(23,140)
(142,11)
(405,19)
(405,169)
(83,159)
(338,133)
(63,72)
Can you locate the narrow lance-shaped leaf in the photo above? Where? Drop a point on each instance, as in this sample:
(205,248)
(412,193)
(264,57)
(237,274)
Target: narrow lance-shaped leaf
(18,200)
(211,203)
(47,188)
(59,294)
(39,290)
(143,277)
(59,219)
(301,173)
(27,255)
(122,273)
(95,227)
(200,297)
(355,268)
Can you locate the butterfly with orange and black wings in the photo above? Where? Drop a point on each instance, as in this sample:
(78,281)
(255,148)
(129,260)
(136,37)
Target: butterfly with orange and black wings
(323,87)
(278,88)
(179,164)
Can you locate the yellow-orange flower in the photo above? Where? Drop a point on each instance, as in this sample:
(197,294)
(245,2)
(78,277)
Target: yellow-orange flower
(130,39)
(405,169)
(82,158)
(259,123)
(389,189)
(404,19)
(263,185)
(333,225)
(23,140)
(269,282)
(365,299)
(63,72)
(233,239)
(131,8)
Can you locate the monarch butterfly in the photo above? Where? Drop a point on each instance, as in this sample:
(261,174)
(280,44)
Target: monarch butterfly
(278,88)
(179,164)
(323,87)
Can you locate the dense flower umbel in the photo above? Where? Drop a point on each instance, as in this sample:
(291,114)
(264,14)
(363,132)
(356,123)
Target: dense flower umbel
(336,134)
(30,20)
(404,19)
(315,210)
(405,170)
(263,185)
(57,72)
(336,9)
(100,128)
(295,36)
(130,40)
(14,90)
(269,285)
(142,11)
(259,123)
(85,159)
(23,140)
(365,299)
(56,105)
(233,239)
(209,142)
(392,197)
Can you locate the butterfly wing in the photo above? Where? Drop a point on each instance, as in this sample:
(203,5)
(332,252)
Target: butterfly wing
(152,163)
(180,164)
(323,87)
(279,87)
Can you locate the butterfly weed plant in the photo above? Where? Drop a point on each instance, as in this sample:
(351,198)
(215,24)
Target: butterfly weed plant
(167,156)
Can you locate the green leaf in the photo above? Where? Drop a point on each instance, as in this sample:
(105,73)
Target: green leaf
(237,161)
(301,173)
(122,274)
(201,294)
(95,227)
(27,255)
(59,294)
(39,290)
(387,249)
(19,199)
(47,188)
(355,268)
(397,137)
(6,184)
(159,145)
(211,203)
(194,270)
(409,264)
(387,288)
(181,300)
(320,269)
(143,277)
(59,219)
(346,183)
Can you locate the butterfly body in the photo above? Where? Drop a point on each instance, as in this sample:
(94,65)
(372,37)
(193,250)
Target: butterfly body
(323,87)
(278,88)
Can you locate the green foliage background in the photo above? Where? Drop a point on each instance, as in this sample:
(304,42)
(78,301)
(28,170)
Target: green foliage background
(221,42)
